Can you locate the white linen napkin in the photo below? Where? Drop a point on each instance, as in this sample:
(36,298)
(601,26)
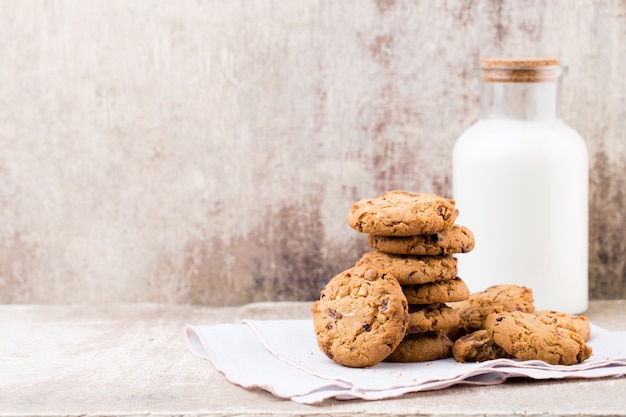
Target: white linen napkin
(282,357)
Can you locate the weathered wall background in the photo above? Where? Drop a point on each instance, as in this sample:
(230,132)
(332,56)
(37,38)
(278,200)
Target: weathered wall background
(209,151)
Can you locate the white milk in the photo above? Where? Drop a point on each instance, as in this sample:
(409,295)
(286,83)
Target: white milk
(521,186)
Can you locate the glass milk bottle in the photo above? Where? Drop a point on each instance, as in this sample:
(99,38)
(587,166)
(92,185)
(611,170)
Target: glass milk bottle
(520,181)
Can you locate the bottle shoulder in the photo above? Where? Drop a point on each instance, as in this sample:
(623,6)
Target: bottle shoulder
(505,132)
(503,137)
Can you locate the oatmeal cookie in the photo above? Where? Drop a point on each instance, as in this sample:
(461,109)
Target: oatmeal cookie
(410,269)
(422,347)
(431,317)
(402,213)
(361,316)
(477,346)
(479,305)
(437,292)
(527,336)
(576,323)
(448,241)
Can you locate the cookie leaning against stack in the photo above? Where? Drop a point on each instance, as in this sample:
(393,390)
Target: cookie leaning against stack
(426,275)
(361,317)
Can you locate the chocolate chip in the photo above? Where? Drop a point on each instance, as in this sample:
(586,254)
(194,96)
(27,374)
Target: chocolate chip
(499,319)
(327,352)
(333,314)
(443,212)
(434,238)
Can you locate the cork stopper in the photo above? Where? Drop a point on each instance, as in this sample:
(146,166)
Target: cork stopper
(526,70)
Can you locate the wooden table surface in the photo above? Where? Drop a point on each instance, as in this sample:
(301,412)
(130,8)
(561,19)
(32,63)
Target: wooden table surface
(132,359)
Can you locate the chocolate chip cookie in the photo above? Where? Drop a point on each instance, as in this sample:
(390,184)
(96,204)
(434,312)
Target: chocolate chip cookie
(477,346)
(361,316)
(422,347)
(527,336)
(479,305)
(410,269)
(431,317)
(437,292)
(402,213)
(448,241)
(576,323)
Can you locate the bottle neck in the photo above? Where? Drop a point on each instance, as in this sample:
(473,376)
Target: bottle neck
(519,100)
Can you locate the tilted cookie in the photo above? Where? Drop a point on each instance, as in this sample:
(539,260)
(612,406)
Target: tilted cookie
(402,213)
(431,317)
(576,323)
(527,336)
(477,346)
(411,269)
(422,347)
(448,241)
(479,305)
(361,317)
(436,292)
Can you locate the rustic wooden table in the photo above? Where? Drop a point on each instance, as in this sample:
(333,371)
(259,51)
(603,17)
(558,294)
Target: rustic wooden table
(129,360)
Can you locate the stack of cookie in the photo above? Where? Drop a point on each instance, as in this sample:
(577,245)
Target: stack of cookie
(415,238)
(428,283)
(400,312)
